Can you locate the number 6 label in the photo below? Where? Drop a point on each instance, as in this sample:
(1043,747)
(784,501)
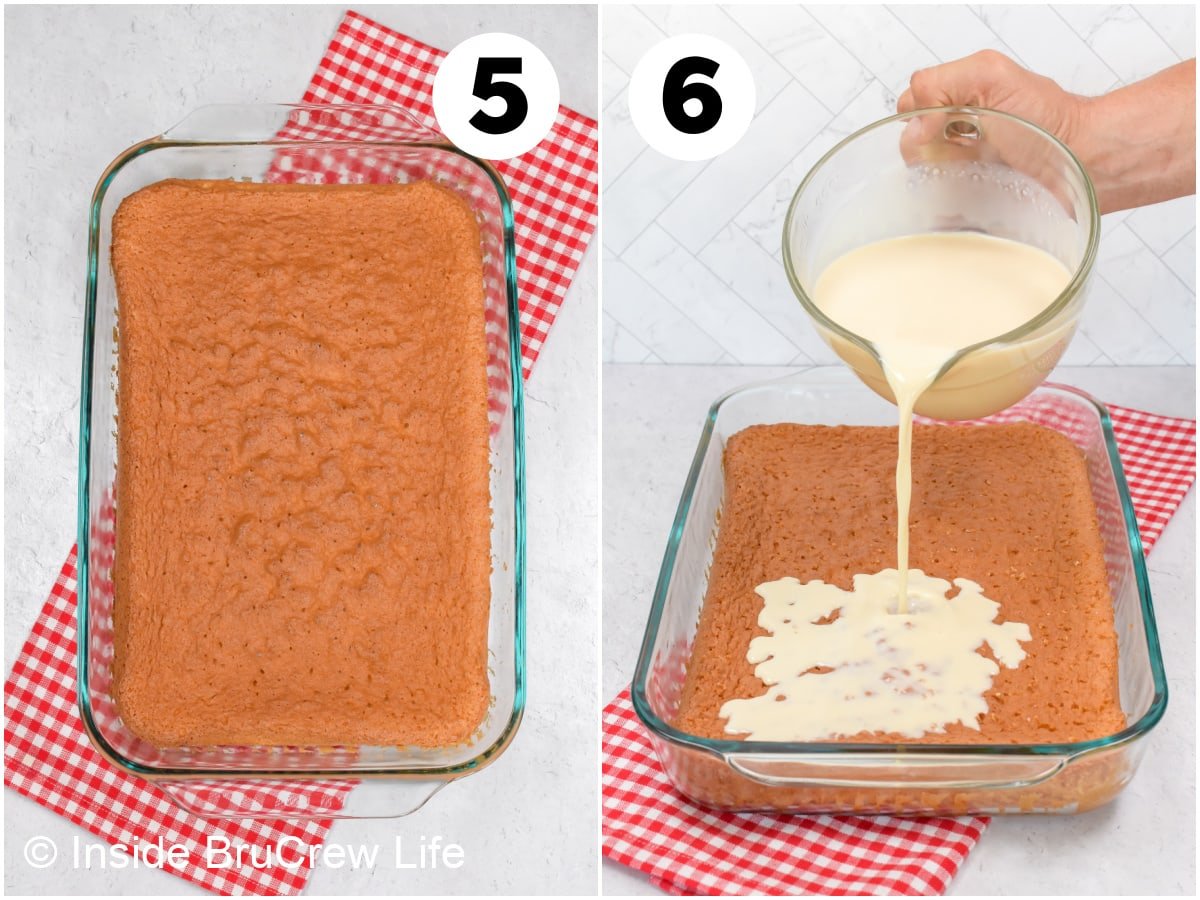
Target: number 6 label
(691,97)
(495,96)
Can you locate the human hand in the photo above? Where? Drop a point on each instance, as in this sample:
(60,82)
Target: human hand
(1137,143)
(991,80)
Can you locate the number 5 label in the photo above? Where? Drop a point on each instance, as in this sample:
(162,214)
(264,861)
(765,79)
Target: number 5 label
(691,97)
(495,96)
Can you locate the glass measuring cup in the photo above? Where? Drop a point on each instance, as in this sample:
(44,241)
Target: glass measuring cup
(950,169)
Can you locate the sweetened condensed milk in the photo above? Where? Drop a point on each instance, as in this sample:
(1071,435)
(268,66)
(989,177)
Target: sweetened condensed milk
(920,300)
(898,673)
(896,654)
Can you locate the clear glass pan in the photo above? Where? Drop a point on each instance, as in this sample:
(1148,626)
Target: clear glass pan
(910,779)
(313,145)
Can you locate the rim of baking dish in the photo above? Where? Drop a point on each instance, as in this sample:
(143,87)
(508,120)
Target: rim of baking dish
(783,749)
(433,141)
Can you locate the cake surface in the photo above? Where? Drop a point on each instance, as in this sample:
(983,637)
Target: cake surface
(1007,506)
(303,513)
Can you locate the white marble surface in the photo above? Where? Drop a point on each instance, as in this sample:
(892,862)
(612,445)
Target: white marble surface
(695,247)
(1143,843)
(109,76)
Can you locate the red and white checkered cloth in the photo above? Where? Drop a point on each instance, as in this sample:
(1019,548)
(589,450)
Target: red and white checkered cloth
(47,756)
(688,849)
(553,187)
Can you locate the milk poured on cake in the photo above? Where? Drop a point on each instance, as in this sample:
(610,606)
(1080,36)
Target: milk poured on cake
(893,665)
(920,300)
(907,674)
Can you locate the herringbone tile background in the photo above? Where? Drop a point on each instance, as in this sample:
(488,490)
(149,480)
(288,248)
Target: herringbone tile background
(692,264)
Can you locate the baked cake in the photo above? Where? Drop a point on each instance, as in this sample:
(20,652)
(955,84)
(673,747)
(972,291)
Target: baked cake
(1007,506)
(303,521)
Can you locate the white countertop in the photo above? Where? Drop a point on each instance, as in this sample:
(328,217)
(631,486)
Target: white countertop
(1142,843)
(72,105)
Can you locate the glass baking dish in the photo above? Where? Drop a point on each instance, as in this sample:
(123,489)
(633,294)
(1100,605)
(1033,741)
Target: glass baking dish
(945,779)
(312,145)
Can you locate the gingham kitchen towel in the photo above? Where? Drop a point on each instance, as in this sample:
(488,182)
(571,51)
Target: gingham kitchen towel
(47,756)
(688,849)
(553,187)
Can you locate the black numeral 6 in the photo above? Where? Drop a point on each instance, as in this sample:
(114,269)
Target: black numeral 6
(676,92)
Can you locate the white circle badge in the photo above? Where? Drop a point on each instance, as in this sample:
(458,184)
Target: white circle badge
(495,95)
(691,97)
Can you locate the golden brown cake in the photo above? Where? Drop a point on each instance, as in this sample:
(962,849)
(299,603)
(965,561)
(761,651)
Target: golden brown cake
(1007,506)
(303,522)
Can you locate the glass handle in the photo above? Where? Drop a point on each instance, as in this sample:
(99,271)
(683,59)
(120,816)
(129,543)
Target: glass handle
(963,131)
(869,771)
(271,799)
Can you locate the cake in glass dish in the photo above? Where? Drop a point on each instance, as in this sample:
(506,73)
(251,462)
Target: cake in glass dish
(302,494)
(818,503)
